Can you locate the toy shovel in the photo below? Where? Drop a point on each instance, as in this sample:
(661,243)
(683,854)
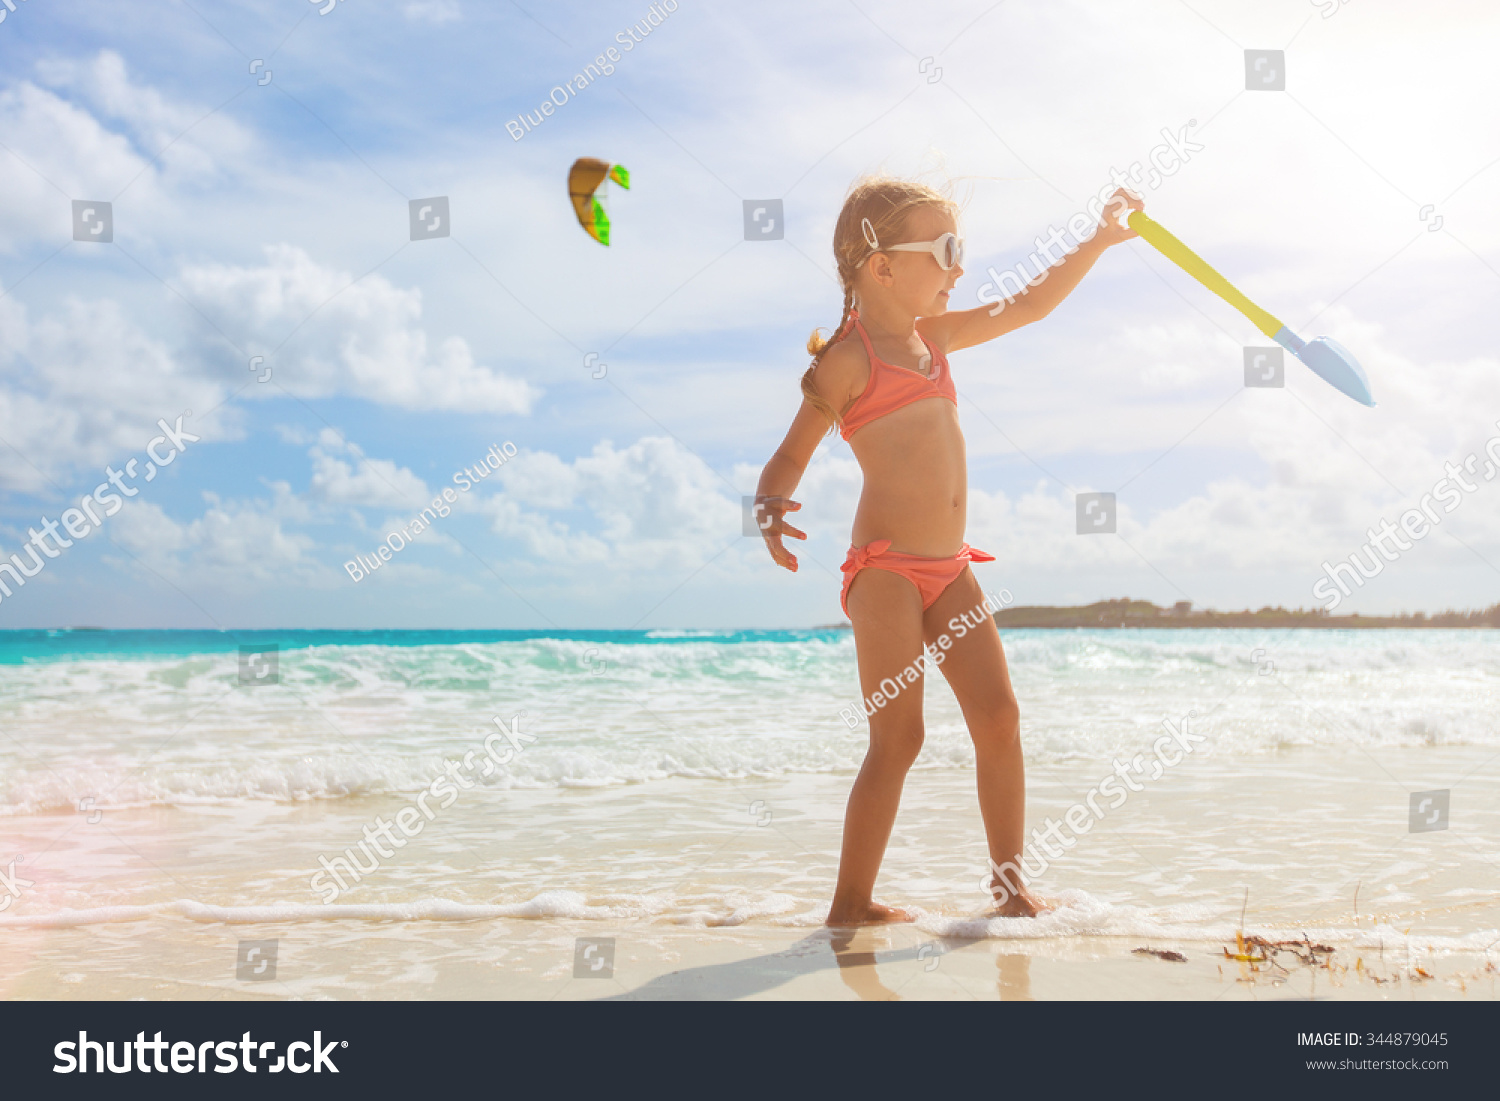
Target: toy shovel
(1327,358)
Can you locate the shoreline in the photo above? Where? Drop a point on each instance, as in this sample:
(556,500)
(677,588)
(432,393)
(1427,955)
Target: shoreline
(1144,615)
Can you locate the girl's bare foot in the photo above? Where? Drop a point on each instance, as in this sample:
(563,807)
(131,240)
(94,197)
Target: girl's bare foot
(872,913)
(1021,904)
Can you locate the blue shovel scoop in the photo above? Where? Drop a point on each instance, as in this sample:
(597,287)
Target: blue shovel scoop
(1326,357)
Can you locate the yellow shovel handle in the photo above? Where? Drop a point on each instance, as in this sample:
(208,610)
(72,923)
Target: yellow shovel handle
(1190,262)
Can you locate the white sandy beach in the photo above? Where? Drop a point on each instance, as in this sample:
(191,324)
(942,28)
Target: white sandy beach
(153,903)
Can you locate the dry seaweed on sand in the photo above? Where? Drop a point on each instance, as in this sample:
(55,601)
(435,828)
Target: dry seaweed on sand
(1242,951)
(1161,954)
(1306,952)
(1255,949)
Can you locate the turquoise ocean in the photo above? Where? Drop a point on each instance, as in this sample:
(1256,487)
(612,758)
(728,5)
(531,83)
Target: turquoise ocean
(97,713)
(699,777)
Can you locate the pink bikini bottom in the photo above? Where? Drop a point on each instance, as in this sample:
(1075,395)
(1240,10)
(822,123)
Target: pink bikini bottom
(930,575)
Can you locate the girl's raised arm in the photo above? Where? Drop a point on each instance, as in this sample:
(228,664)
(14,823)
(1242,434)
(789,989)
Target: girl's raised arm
(966,328)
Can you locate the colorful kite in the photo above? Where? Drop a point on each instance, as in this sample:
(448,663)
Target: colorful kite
(585,177)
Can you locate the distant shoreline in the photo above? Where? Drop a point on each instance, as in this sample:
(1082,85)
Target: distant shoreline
(1127,613)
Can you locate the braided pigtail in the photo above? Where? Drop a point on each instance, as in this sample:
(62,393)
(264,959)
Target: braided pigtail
(818,346)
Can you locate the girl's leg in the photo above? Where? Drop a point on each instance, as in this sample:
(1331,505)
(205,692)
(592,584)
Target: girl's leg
(976,671)
(886,611)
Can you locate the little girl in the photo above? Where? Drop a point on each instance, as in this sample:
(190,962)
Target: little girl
(907,571)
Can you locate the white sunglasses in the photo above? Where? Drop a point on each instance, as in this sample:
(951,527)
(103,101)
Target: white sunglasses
(947,250)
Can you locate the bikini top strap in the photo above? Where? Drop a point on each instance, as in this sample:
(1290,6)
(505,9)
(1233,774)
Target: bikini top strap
(932,353)
(932,356)
(864,337)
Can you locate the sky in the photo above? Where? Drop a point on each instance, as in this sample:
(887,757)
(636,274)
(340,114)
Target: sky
(259,159)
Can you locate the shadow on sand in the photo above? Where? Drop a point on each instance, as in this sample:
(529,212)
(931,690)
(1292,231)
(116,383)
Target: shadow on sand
(853,952)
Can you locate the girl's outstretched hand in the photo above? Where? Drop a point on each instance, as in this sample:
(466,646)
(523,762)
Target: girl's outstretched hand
(770,513)
(1112,228)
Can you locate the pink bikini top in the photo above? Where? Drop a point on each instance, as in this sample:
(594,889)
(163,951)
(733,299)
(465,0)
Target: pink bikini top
(891,387)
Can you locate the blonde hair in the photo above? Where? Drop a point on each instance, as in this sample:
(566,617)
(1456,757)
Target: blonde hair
(887,202)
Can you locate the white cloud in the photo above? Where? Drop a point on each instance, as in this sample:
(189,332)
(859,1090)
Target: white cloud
(56,146)
(157,122)
(60,148)
(375,483)
(85,387)
(360,339)
(657,503)
(235,546)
